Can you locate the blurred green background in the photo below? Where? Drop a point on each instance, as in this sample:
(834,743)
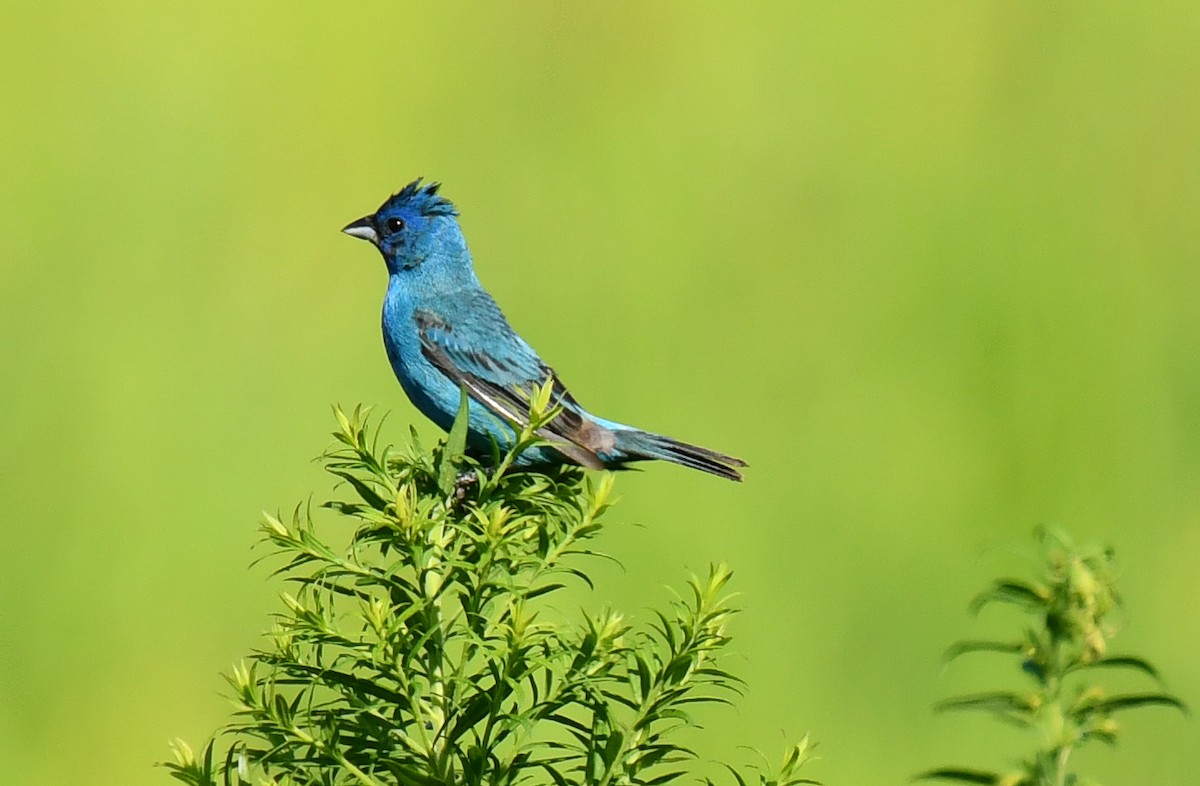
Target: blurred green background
(931,269)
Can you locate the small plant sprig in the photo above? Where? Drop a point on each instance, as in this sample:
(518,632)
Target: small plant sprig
(425,652)
(1066,643)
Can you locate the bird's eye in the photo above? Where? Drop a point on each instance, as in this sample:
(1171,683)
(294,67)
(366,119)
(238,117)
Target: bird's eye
(393,225)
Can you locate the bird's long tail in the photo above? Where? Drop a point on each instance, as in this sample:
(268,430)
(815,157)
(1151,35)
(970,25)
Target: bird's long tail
(639,445)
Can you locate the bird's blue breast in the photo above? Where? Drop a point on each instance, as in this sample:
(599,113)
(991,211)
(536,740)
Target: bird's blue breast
(428,389)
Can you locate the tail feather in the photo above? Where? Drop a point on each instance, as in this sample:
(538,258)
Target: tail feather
(642,445)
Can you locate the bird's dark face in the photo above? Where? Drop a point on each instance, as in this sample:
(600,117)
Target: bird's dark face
(396,233)
(410,227)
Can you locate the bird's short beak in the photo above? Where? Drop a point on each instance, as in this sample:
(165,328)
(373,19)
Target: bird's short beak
(362,229)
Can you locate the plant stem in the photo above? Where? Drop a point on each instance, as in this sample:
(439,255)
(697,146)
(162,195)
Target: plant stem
(1060,765)
(432,587)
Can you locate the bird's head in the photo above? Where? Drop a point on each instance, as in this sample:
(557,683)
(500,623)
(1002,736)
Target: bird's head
(412,227)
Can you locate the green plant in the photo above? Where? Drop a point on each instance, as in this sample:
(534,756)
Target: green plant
(1070,612)
(425,652)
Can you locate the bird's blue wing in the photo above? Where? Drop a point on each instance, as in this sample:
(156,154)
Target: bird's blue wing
(500,371)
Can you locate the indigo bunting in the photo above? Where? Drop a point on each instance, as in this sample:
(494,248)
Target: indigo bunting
(443,333)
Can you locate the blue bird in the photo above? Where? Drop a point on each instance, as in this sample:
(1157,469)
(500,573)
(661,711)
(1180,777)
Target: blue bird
(444,333)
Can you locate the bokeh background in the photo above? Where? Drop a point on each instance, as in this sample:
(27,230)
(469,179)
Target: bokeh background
(932,269)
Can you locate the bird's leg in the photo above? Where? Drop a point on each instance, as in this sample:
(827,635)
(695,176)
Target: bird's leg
(463,484)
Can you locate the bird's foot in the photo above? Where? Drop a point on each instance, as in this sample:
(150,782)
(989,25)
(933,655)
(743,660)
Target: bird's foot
(463,485)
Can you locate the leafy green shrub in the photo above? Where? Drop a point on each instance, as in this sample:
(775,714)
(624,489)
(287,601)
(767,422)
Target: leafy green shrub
(425,652)
(1066,644)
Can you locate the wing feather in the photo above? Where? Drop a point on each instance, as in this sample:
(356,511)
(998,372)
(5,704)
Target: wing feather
(505,384)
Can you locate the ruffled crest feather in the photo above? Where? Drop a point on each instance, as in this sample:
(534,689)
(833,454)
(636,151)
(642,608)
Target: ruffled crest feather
(422,198)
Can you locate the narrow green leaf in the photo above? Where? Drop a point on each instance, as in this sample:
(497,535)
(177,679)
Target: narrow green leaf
(456,444)
(555,775)
(1013,591)
(999,701)
(958,774)
(545,589)
(476,709)
(737,776)
(644,677)
(960,648)
(367,493)
(1130,701)
(1124,662)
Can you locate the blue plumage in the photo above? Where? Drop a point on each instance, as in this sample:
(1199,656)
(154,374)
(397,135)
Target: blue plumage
(443,332)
